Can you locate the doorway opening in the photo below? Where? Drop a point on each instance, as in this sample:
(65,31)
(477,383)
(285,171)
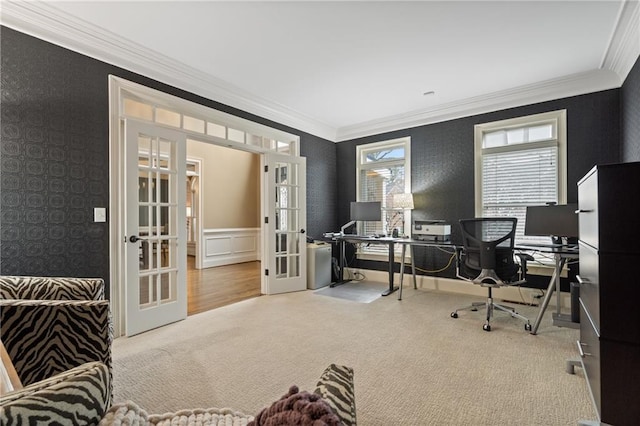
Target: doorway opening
(223,226)
(282,187)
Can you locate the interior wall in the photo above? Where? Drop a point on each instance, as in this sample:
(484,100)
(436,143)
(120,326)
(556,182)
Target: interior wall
(55,158)
(630,121)
(229,185)
(442,163)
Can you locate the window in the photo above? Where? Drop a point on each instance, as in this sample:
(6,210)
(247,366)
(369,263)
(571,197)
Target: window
(383,169)
(521,162)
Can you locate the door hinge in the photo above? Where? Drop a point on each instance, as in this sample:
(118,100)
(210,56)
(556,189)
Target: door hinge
(266,272)
(266,169)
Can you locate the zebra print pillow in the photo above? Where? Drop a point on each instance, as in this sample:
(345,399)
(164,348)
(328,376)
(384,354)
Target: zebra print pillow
(44,338)
(51,288)
(78,396)
(336,388)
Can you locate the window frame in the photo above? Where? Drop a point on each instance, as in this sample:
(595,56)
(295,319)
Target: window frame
(558,119)
(374,252)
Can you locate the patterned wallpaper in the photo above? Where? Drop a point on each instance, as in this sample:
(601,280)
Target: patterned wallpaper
(55,159)
(321,185)
(54,166)
(631,115)
(442,162)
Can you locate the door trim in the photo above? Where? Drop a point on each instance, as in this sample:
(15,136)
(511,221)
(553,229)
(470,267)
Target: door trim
(118,89)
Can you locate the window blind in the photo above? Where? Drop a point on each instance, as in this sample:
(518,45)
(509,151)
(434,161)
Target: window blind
(512,180)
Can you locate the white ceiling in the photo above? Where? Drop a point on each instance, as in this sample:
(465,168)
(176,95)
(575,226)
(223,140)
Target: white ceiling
(348,69)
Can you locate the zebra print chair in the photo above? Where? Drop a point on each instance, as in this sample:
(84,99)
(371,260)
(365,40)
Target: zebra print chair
(79,396)
(51,325)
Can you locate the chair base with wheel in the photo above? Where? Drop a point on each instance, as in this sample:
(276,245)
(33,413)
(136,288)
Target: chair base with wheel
(491,306)
(487,259)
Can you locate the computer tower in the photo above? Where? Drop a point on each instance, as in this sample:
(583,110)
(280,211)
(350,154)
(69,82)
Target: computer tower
(318,265)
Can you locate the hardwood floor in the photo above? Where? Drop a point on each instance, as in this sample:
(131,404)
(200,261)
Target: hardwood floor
(212,288)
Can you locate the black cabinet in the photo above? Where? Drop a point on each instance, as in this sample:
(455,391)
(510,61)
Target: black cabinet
(609,205)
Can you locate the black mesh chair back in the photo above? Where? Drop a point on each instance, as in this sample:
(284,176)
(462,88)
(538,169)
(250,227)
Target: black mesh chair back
(488,244)
(487,259)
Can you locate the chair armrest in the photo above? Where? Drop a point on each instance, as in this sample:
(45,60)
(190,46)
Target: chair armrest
(44,338)
(51,288)
(524,257)
(78,396)
(336,387)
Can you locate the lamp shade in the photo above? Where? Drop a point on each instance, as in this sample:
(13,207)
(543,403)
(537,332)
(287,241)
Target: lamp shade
(403,201)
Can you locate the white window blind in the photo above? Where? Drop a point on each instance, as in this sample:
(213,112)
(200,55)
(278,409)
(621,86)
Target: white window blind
(382,170)
(520,163)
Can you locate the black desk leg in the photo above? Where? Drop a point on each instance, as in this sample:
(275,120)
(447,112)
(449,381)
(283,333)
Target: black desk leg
(341,251)
(391,262)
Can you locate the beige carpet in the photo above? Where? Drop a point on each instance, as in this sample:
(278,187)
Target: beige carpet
(414,365)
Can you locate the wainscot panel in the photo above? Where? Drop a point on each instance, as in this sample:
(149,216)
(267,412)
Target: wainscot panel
(229,246)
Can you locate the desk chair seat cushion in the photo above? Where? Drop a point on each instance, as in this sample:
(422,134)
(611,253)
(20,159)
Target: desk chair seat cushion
(506,269)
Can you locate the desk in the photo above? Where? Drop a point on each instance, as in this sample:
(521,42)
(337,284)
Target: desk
(560,255)
(391,242)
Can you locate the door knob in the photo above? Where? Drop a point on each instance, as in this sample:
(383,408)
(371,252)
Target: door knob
(302,231)
(134,238)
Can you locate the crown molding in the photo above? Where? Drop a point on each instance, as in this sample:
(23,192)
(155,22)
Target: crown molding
(576,84)
(43,21)
(621,54)
(40,20)
(624,47)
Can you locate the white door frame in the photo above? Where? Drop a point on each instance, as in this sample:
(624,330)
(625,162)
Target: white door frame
(119,88)
(198,211)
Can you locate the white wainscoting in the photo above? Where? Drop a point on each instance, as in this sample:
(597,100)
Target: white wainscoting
(229,246)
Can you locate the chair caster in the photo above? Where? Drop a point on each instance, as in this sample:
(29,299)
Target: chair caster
(454,315)
(527,327)
(486,327)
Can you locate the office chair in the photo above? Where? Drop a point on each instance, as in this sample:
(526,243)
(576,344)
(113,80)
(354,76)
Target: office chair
(487,259)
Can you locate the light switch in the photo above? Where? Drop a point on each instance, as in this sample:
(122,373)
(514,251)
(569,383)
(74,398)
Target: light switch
(99,214)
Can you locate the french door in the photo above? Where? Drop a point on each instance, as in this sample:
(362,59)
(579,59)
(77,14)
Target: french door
(155,226)
(285,248)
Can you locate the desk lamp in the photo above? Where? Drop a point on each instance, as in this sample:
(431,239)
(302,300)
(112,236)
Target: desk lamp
(402,202)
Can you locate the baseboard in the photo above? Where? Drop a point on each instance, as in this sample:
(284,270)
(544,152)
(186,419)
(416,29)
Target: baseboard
(507,294)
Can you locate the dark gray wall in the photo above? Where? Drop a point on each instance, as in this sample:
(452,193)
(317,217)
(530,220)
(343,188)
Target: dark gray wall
(442,161)
(55,159)
(630,117)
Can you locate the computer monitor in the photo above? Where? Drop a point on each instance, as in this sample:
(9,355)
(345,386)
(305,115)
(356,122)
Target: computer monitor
(553,221)
(367,210)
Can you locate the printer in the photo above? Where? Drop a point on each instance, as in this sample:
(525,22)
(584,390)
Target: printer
(431,230)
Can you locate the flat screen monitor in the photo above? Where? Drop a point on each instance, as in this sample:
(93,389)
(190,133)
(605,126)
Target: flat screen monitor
(554,221)
(367,210)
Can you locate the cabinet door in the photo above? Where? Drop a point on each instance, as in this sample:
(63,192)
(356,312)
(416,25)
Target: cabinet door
(589,348)
(589,282)
(588,207)
(619,289)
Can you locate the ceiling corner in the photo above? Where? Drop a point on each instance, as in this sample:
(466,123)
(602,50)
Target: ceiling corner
(624,47)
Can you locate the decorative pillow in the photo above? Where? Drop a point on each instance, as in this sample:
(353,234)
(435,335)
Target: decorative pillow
(78,396)
(201,417)
(297,408)
(336,388)
(125,413)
